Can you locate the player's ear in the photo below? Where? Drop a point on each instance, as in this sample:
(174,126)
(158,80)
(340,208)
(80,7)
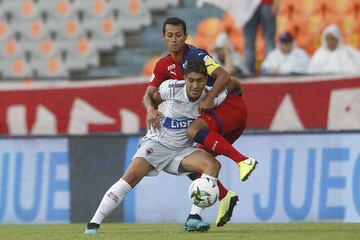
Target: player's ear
(186,35)
(163,36)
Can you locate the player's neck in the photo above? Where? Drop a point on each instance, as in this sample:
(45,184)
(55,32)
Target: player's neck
(177,55)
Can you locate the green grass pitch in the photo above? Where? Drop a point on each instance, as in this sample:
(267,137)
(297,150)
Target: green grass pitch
(301,231)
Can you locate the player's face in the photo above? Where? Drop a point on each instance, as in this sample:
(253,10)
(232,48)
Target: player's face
(331,42)
(195,84)
(174,38)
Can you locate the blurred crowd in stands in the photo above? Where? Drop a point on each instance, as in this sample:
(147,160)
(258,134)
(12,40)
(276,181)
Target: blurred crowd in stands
(50,39)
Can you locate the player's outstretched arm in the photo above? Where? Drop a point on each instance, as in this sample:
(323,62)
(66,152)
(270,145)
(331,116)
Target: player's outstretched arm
(150,104)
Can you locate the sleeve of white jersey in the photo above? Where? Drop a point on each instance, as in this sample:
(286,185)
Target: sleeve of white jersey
(164,90)
(220,98)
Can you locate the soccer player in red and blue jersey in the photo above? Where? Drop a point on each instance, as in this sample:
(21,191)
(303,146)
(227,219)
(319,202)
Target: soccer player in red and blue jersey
(216,129)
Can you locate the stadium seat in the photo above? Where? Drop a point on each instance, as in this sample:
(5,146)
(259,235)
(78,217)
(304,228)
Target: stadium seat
(11,49)
(353,39)
(207,31)
(42,49)
(106,33)
(16,68)
(69,29)
(150,65)
(160,4)
(304,25)
(286,8)
(33,30)
(21,9)
(308,7)
(192,41)
(235,34)
(94,8)
(51,67)
(5,30)
(156,4)
(81,54)
(132,14)
(342,7)
(57,9)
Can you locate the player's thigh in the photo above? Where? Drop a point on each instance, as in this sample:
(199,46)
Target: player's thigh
(136,171)
(200,161)
(233,135)
(230,115)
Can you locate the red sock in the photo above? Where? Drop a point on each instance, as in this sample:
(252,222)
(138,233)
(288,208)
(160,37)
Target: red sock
(222,190)
(218,144)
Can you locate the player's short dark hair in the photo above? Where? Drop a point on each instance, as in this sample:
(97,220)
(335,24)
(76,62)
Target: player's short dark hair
(195,65)
(174,21)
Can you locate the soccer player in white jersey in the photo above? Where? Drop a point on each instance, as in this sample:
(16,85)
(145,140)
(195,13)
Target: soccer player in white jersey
(168,149)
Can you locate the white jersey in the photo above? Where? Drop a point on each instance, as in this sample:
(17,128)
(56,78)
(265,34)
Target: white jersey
(179,112)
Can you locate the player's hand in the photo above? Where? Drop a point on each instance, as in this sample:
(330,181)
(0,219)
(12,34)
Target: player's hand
(153,119)
(206,104)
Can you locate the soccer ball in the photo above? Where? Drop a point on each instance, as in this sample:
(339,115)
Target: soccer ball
(203,192)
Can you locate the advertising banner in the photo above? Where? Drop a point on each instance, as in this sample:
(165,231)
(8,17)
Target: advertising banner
(300,177)
(34,181)
(116,106)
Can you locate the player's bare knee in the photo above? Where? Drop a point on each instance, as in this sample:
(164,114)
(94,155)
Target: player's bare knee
(132,177)
(215,166)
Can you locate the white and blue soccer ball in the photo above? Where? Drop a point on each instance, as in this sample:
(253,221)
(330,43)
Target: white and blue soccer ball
(203,192)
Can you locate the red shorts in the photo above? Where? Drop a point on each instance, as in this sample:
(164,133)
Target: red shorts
(228,119)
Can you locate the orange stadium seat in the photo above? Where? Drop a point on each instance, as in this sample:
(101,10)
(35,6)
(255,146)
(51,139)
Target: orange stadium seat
(308,7)
(33,30)
(5,30)
(192,41)
(343,7)
(51,67)
(11,49)
(282,23)
(287,8)
(150,65)
(82,53)
(21,9)
(70,28)
(238,40)
(58,9)
(45,48)
(353,39)
(16,68)
(235,34)
(94,8)
(133,14)
(106,33)
(207,31)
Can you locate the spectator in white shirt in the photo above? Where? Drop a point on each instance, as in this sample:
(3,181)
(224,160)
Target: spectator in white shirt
(334,57)
(286,58)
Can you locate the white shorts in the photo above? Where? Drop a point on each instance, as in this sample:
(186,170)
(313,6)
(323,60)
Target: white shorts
(163,158)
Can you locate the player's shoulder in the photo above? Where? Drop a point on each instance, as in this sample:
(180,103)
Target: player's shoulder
(172,84)
(195,52)
(169,88)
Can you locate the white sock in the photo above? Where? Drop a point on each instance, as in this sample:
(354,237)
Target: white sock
(214,179)
(112,198)
(196,210)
